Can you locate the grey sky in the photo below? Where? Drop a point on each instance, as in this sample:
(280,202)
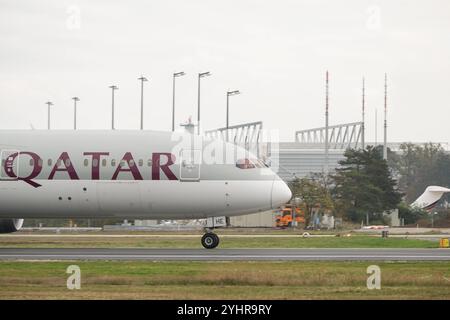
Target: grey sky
(275,52)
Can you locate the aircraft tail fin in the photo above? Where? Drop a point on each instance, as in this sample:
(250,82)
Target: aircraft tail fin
(430,197)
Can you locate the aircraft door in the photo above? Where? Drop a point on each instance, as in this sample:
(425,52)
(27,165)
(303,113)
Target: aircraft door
(9,165)
(190,164)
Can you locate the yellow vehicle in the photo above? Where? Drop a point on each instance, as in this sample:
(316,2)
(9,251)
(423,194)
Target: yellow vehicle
(287,215)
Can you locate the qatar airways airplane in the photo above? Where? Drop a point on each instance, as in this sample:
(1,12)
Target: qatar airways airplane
(130,174)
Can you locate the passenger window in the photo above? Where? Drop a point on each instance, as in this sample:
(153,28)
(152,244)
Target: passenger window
(32,162)
(49,162)
(95,163)
(149,162)
(67,162)
(104,162)
(131,163)
(86,162)
(113,162)
(122,163)
(141,162)
(58,163)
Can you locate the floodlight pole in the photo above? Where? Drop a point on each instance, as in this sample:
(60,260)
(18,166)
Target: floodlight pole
(175,75)
(229,93)
(113,88)
(142,79)
(49,104)
(200,75)
(75,100)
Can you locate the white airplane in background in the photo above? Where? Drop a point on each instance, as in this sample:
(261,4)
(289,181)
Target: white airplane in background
(430,197)
(130,175)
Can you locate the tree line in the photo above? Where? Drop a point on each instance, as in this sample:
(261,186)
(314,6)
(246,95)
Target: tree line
(364,185)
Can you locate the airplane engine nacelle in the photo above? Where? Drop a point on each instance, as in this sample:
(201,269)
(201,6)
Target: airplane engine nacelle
(10,225)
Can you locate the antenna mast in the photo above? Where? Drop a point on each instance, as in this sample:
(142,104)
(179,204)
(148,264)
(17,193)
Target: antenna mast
(385,118)
(363,116)
(326,168)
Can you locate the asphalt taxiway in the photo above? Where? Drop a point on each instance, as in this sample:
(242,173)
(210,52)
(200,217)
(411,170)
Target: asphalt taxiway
(225,254)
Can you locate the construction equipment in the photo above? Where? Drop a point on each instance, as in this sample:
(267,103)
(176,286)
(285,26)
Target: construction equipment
(289,214)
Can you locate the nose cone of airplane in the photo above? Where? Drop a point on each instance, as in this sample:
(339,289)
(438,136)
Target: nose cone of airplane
(281,193)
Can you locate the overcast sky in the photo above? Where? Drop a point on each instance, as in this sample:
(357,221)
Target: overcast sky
(275,52)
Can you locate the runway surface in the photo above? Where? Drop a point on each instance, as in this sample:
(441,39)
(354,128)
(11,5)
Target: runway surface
(226,254)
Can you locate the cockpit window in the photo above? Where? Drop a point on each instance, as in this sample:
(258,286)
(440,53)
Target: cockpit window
(250,164)
(244,164)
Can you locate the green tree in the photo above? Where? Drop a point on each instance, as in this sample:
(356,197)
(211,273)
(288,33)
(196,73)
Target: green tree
(312,194)
(410,215)
(363,185)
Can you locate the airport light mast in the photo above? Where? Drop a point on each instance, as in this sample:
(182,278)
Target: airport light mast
(363,128)
(113,88)
(326,168)
(175,75)
(200,75)
(75,100)
(142,79)
(376,127)
(229,93)
(385,118)
(49,104)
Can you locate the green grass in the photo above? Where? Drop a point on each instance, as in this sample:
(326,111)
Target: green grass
(224,280)
(226,242)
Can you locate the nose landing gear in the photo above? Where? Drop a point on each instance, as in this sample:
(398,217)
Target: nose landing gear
(210,240)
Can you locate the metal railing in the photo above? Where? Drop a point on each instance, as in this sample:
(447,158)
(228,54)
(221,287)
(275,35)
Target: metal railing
(343,136)
(246,134)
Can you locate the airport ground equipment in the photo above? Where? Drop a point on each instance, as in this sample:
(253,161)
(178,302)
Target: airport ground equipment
(288,215)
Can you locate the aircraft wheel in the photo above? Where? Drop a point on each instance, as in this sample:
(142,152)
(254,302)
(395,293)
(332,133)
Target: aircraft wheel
(210,240)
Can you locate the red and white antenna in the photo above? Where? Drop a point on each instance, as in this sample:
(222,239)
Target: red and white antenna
(385,118)
(326,125)
(363,115)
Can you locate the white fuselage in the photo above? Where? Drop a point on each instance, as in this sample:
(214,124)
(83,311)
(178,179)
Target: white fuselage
(130,174)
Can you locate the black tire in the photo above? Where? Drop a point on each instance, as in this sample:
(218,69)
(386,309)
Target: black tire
(210,240)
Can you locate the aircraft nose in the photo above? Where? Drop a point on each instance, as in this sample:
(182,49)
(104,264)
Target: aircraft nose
(281,193)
